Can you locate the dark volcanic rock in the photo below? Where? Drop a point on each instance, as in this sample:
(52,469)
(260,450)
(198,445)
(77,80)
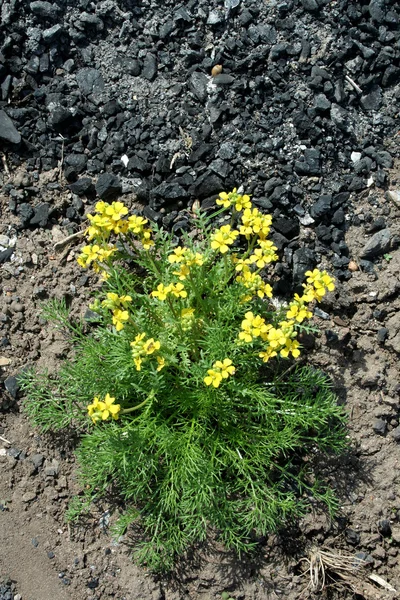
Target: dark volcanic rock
(82,187)
(90,81)
(44,9)
(8,132)
(198,85)
(108,187)
(41,215)
(377,245)
(322,207)
(149,67)
(206,185)
(304,259)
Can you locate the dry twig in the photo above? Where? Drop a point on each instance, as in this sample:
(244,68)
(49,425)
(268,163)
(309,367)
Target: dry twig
(353,83)
(68,240)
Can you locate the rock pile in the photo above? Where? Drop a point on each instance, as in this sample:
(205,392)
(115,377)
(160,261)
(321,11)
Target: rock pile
(122,93)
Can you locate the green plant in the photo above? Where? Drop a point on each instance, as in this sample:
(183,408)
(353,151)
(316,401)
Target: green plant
(181,391)
(387,257)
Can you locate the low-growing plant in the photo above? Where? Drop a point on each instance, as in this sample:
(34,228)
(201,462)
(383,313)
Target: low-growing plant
(185,389)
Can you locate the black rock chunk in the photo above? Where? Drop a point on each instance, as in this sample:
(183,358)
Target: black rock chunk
(77,161)
(12,386)
(41,216)
(25,213)
(8,132)
(90,81)
(83,187)
(321,207)
(304,259)
(149,70)
(352,537)
(290,228)
(310,5)
(59,116)
(396,434)
(108,187)
(377,10)
(44,9)
(311,163)
(169,191)
(223,79)
(377,245)
(198,85)
(206,185)
(5,255)
(380,427)
(382,334)
(384,527)
(53,33)
(373,100)
(384,159)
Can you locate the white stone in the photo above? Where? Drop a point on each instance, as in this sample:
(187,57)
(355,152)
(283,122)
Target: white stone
(355,156)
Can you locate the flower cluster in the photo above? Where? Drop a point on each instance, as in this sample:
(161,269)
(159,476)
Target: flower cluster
(318,282)
(221,370)
(254,283)
(142,348)
(96,255)
(162,291)
(118,305)
(107,220)
(186,259)
(273,333)
(111,218)
(222,238)
(264,254)
(101,410)
(255,223)
(234,199)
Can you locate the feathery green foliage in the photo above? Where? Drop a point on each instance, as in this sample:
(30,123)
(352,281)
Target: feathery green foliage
(195,417)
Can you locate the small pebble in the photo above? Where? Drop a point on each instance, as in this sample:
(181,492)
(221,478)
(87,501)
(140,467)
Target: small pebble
(380,427)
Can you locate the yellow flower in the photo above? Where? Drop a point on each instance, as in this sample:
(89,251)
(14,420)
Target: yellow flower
(291,347)
(213,378)
(136,224)
(119,318)
(178,290)
(221,370)
(233,198)
(162,291)
(178,255)
(254,222)
(114,301)
(276,337)
(320,281)
(142,348)
(254,283)
(95,255)
(264,255)
(146,240)
(226,367)
(267,354)
(151,346)
(297,310)
(183,272)
(222,238)
(101,410)
(253,327)
(161,362)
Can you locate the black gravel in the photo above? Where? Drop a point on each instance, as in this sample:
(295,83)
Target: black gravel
(121,94)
